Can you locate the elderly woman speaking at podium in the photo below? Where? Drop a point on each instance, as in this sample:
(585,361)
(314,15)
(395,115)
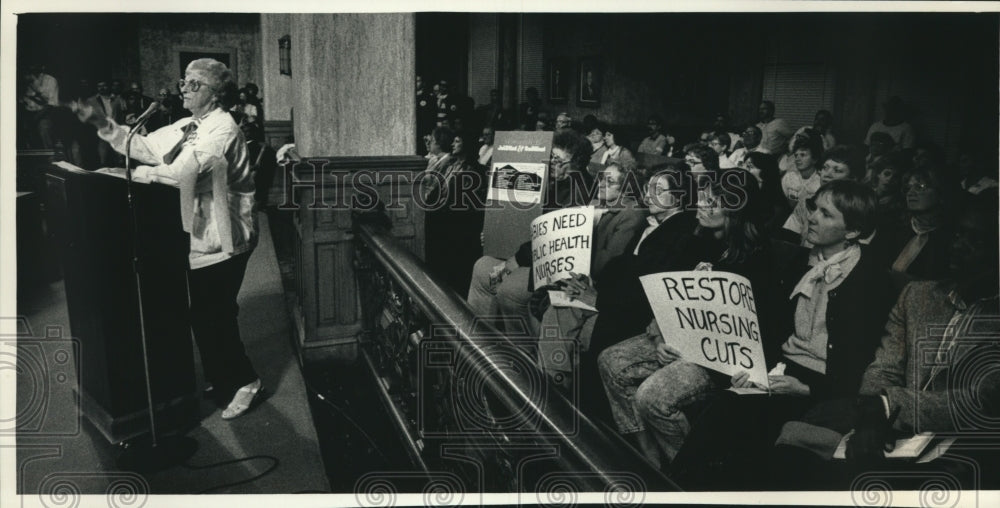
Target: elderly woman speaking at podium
(205,156)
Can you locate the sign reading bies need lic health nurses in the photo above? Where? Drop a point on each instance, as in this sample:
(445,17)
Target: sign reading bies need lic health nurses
(711,318)
(561,243)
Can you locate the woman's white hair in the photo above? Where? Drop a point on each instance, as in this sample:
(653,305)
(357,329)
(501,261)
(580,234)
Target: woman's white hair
(212,69)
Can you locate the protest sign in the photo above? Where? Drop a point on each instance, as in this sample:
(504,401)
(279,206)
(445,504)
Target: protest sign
(711,318)
(561,243)
(517,185)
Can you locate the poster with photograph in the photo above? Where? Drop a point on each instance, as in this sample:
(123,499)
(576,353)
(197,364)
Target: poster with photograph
(517,184)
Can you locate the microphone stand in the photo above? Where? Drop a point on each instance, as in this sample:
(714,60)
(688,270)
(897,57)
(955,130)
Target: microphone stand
(152,455)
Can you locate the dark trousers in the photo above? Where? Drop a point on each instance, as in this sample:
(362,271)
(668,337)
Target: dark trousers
(732,439)
(216,330)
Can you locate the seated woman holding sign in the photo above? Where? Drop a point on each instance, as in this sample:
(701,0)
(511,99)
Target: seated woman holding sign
(840,307)
(500,288)
(618,220)
(648,383)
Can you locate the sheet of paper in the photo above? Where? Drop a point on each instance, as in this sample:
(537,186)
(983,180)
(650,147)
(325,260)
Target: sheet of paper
(937,450)
(906,448)
(560,299)
(120,173)
(747,391)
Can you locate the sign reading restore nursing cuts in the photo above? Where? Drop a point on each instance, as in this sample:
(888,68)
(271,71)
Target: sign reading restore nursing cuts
(711,318)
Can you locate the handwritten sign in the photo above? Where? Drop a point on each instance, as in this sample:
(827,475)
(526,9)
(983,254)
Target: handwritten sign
(711,318)
(561,242)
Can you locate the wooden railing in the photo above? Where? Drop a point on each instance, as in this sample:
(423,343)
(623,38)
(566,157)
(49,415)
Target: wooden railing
(470,402)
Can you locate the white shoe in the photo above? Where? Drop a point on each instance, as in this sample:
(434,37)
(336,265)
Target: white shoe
(243,400)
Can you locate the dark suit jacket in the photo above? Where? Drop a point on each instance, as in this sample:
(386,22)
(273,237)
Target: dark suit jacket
(614,233)
(624,310)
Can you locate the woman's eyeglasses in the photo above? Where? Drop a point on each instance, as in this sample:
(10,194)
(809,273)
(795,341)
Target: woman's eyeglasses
(191,84)
(607,180)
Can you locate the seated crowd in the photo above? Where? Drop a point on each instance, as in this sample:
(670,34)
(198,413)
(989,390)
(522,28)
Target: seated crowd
(854,254)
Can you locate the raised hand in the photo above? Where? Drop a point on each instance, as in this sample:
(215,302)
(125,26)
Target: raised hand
(87,113)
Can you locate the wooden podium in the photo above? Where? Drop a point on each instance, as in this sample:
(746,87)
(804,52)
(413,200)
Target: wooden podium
(90,218)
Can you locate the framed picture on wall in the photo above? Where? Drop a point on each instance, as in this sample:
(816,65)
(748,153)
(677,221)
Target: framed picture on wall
(559,76)
(589,83)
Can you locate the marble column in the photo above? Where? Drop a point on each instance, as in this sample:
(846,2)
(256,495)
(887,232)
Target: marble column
(353,84)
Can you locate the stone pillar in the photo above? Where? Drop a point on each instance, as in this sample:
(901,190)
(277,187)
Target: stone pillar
(353,84)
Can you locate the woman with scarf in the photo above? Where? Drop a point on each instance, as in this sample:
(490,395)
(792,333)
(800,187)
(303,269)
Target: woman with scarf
(834,323)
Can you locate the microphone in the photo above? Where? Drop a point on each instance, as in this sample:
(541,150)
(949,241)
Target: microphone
(139,122)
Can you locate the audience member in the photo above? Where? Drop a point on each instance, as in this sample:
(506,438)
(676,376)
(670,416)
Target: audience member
(616,153)
(133,109)
(774,131)
(802,182)
(40,94)
(647,381)
(253,98)
(721,124)
(453,222)
(839,163)
(168,112)
(838,310)
(438,155)
(719,142)
(879,144)
(887,181)
(701,159)
(977,175)
(894,124)
(564,122)
(486,148)
(144,101)
(822,124)
(493,114)
(529,109)
(655,142)
(448,105)
(426,113)
(619,218)
(500,288)
(749,142)
(594,131)
(901,392)
(112,107)
(918,246)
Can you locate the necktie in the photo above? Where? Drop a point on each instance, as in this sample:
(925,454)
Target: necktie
(176,150)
